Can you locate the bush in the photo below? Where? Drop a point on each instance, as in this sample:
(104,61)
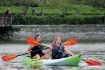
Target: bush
(71,19)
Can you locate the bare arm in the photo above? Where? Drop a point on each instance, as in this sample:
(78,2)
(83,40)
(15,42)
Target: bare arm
(68,51)
(46,49)
(46,46)
(29,49)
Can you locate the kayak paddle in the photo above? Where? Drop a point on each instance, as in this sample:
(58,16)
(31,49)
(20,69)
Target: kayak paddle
(91,62)
(10,57)
(70,42)
(31,41)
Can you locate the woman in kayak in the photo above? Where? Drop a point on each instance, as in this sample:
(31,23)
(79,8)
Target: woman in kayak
(58,49)
(36,51)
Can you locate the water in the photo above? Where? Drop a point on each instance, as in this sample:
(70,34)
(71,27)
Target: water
(97,53)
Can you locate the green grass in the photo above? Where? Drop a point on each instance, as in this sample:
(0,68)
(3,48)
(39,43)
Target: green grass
(13,9)
(86,9)
(82,9)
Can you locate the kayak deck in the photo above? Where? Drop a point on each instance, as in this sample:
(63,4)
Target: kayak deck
(68,61)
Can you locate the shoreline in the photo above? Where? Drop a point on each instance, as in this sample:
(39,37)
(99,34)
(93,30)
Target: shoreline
(50,41)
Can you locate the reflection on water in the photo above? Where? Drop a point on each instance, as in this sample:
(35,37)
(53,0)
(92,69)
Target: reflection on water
(16,64)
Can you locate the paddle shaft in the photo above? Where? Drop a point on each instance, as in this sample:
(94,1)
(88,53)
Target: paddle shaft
(21,54)
(31,51)
(35,51)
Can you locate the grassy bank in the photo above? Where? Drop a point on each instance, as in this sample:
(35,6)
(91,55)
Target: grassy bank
(76,14)
(73,9)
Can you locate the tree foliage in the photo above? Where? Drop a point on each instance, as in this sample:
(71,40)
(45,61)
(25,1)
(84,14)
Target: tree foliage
(95,3)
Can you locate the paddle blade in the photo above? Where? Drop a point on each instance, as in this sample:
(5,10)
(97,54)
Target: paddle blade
(8,57)
(70,42)
(31,41)
(92,62)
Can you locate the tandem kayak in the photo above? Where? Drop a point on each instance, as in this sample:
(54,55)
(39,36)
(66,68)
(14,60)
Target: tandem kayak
(68,61)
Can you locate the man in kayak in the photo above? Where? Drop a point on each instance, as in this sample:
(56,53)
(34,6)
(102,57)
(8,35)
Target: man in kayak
(36,51)
(58,49)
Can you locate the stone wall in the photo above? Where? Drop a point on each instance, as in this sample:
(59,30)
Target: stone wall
(66,31)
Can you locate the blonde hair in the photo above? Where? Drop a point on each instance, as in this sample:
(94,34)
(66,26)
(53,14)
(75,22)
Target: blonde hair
(55,39)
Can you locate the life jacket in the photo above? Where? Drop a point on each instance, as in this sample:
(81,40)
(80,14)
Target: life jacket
(57,51)
(36,50)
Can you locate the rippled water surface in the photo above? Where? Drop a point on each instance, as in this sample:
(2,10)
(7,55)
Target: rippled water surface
(16,64)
